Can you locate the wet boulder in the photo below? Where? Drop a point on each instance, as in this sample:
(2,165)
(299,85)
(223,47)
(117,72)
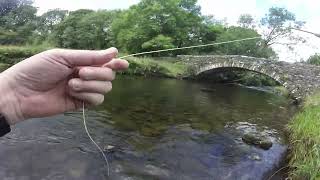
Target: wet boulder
(257,140)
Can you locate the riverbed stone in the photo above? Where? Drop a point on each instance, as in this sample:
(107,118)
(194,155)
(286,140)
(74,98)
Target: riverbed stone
(257,140)
(255,157)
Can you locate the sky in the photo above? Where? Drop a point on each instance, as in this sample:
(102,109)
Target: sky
(230,10)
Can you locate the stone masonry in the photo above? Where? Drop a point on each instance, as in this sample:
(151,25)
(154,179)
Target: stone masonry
(299,78)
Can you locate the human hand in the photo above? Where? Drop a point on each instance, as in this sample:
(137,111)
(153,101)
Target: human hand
(57,81)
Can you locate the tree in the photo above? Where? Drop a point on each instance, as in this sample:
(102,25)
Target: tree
(7,6)
(86,29)
(179,20)
(314,59)
(279,22)
(46,24)
(18,22)
(159,42)
(48,20)
(65,33)
(246,21)
(248,48)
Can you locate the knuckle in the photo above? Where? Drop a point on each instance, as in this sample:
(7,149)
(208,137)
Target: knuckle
(55,51)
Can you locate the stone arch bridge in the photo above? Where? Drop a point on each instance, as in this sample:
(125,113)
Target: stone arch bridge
(299,78)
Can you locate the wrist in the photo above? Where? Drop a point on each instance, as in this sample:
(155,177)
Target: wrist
(8,102)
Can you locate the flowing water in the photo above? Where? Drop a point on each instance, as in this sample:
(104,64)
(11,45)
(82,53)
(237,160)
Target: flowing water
(154,129)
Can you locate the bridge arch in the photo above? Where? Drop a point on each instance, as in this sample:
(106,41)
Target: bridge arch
(241,66)
(298,78)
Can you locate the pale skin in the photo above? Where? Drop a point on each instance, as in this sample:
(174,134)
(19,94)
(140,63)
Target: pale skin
(57,81)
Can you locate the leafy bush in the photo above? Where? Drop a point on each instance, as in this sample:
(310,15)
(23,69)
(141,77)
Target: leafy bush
(158,43)
(12,54)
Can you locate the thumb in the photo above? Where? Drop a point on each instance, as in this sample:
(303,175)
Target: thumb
(73,58)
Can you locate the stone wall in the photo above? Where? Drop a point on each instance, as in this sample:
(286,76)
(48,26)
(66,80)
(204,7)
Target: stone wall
(299,78)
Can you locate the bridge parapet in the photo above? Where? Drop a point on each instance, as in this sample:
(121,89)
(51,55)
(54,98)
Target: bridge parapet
(299,78)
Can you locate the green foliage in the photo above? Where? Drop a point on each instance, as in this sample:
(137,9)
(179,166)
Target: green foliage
(248,48)
(17,21)
(85,29)
(46,24)
(314,59)
(9,37)
(244,77)
(256,79)
(179,20)
(3,67)
(152,67)
(13,54)
(159,42)
(6,6)
(246,21)
(305,141)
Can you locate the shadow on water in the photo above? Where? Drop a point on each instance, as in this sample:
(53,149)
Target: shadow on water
(154,129)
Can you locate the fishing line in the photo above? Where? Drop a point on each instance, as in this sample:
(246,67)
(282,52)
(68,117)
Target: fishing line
(87,131)
(152,52)
(190,47)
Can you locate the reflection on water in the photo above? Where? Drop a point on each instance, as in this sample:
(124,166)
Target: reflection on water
(154,129)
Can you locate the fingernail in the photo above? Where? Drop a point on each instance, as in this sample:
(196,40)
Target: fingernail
(113,50)
(75,84)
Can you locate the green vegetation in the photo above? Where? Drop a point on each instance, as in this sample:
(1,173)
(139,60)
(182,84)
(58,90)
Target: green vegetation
(305,141)
(152,67)
(13,54)
(3,66)
(145,66)
(314,59)
(148,25)
(162,24)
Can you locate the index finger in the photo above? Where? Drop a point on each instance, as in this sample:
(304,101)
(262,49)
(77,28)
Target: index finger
(73,58)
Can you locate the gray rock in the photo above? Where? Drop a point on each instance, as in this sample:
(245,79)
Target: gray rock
(257,140)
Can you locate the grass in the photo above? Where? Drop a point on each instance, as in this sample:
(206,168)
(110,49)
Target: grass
(4,66)
(305,141)
(151,67)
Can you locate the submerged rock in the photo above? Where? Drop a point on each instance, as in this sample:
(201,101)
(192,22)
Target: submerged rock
(255,157)
(207,90)
(257,140)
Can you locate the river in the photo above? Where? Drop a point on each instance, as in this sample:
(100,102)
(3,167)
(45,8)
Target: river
(154,129)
